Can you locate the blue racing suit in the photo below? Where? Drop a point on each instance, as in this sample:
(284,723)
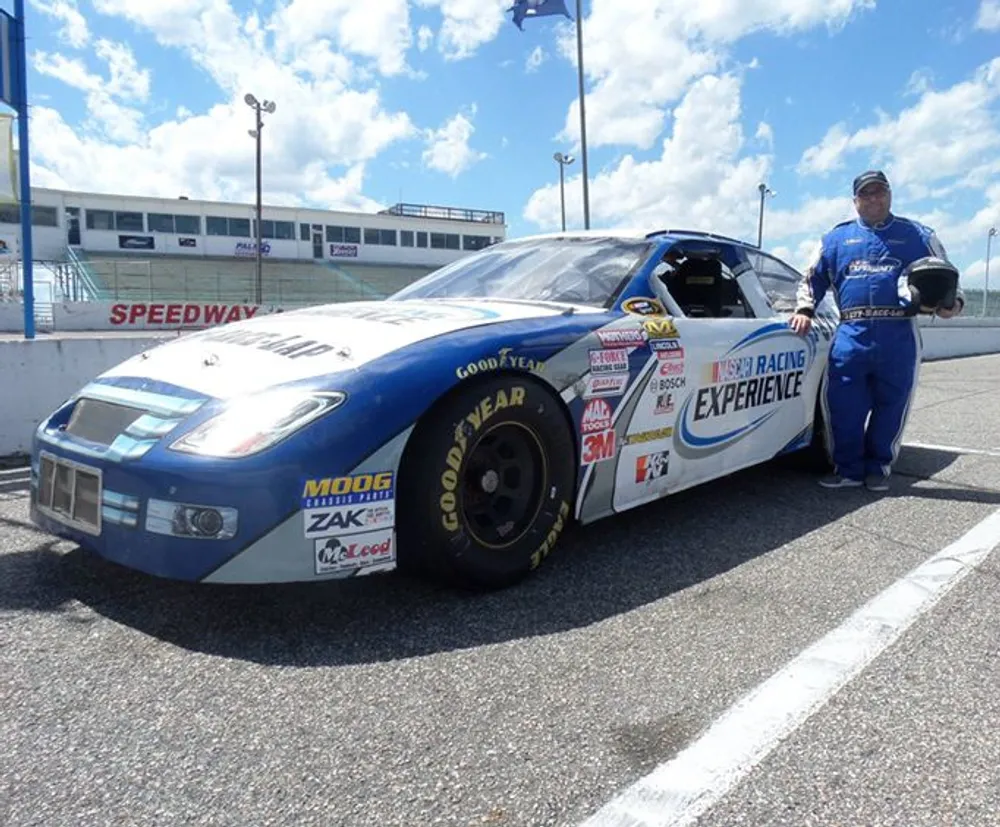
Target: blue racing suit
(875,354)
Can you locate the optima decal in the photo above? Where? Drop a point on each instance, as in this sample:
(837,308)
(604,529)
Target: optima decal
(757,375)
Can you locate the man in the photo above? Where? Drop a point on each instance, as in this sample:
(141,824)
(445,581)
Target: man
(875,356)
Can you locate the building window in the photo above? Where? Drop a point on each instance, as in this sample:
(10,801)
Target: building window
(44,217)
(40,216)
(188,224)
(406,238)
(100,220)
(239,227)
(475,242)
(421,239)
(304,234)
(160,223)
(130,222)
(284,230)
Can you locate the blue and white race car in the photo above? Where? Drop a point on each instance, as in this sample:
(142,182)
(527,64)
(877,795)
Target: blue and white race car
(455,428)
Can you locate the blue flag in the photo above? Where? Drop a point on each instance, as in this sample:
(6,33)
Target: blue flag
(536,8)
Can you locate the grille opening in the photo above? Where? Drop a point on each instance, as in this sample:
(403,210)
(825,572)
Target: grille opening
(99,421)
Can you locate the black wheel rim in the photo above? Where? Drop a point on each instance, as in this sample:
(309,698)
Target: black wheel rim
(502,485)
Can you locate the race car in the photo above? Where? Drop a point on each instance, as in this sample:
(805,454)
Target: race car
(454,428)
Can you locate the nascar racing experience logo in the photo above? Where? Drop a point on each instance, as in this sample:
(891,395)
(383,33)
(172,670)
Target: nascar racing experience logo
(743,389)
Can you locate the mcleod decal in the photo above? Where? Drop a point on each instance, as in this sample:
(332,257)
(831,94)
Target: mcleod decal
(464,432)
(550,539)
(503,359)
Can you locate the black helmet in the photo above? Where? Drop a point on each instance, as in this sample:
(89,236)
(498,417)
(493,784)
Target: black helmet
(933,283)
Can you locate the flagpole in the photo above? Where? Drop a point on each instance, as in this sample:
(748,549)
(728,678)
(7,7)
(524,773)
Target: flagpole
(583,115)
(21,97)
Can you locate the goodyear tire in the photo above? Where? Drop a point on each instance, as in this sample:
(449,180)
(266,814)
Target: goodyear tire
(487,485)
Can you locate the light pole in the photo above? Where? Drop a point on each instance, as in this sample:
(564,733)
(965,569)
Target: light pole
(986,283)
(764,191)
(563,161)
(258,107)
(583,112)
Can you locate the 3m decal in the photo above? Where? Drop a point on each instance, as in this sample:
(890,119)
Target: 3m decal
(550,539)
(340,553)
(503,359)
(598,447)
(326,492)
(464,432)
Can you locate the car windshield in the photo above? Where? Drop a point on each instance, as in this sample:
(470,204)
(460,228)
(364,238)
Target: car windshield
(572,270)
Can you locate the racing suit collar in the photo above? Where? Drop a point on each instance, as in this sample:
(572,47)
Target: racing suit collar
(881,226)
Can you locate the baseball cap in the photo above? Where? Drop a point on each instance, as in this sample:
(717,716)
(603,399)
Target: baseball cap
(868,177)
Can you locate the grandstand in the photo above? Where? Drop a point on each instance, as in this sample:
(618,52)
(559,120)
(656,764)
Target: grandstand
(287,283)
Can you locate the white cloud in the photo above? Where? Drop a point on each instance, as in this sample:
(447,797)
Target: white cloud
(765,134)
(104,96)
(327,107)
(448,149)
(699,180)
(467,24)
(642,62)
(989,16)
(535,59)
(74,31)
(944,134)
(425,36)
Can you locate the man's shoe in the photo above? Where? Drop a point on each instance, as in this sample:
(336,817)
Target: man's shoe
(877,482)
(837,481)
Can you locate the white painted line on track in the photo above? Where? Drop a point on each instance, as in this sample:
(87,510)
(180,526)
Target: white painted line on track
(955,449)
(682,789)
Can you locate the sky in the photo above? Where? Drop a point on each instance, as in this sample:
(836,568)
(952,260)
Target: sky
(690,105)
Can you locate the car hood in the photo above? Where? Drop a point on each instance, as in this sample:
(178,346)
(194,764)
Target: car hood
(244,357)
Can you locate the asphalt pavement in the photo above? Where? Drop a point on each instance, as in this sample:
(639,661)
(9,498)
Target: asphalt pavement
(129,700)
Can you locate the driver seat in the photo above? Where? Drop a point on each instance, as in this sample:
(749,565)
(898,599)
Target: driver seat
(698,287)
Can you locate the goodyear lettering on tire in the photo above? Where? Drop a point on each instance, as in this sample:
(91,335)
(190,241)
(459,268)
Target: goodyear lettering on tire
(467,428)
(550,539)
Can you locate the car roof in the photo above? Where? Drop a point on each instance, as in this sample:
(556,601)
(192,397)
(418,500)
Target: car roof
(639,234)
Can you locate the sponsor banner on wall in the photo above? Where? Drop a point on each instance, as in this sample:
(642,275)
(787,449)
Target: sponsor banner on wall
(136,242)
(152,315)
(343,251)
(249,248)
(187,242)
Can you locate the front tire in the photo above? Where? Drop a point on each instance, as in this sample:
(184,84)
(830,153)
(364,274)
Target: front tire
(487,485)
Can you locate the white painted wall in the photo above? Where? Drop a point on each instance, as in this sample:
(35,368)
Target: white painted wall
(37,376)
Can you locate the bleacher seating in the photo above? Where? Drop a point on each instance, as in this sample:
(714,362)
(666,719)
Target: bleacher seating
(125,276)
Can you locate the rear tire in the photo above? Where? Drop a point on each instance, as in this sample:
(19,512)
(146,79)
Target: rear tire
(487,484)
